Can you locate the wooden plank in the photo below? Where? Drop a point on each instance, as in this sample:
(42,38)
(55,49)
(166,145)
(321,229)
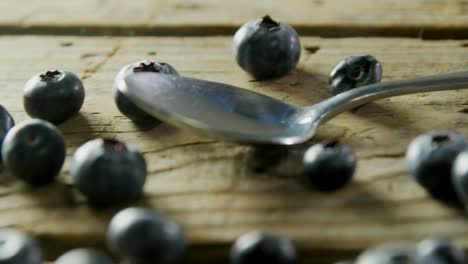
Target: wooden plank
(417,18)
(209,186)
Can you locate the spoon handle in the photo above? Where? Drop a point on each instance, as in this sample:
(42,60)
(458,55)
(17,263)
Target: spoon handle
(359,96)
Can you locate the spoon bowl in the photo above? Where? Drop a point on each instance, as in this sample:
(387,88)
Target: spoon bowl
(236,114)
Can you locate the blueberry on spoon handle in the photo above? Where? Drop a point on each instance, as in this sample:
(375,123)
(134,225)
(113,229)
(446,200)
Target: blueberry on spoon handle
(355,71)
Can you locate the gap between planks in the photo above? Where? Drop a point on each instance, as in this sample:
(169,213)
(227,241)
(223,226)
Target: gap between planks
(326,31)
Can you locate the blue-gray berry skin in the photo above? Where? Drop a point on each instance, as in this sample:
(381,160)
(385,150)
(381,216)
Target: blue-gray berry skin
(430,157)
(142,236)
(440,251)
(127,107)
(460,176)
(266,48)
(355,71)
(54,96)
(6,123)
(388,253)
(262,247)
(108,172)
(18,248)
(84,256)
(329,165)
(34,151)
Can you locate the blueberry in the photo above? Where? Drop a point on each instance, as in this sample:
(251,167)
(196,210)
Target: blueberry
(388,253)
(262,247)
(142,236)
(18,248)
(266,48)
(84,256)
(54,96)
(6,123)
(460,176)
(430,157)
(34,151)
(127,107)
(329,165)
(355,71)
(108,172)
(440,251)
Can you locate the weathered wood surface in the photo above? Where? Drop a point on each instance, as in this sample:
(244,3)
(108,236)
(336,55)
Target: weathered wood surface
(210,187)
(416,18)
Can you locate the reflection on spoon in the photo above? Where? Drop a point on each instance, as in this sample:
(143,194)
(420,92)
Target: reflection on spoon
(237,114)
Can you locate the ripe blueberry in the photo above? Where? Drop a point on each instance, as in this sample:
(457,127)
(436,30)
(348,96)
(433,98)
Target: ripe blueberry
(329,165)
(355,71)
(430,157)
(6,123)
(108,172)
(127,107)
(389,253)
(84,256)
(440,251)
(262,247)
(54,96)
(34,151)
(142,236)
(18,248)
(460,176)
(266,48)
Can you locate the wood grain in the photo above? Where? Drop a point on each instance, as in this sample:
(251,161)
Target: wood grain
(219,190)
(337,18)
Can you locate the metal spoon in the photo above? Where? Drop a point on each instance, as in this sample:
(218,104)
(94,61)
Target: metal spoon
(237,114)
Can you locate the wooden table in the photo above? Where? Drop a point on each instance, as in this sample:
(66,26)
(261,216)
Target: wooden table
(219,190)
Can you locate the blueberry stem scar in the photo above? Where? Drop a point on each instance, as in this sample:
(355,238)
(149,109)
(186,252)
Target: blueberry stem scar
(439,139)
(332,143)
(48,75)
(268,23)
(147,67)
(114,145)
